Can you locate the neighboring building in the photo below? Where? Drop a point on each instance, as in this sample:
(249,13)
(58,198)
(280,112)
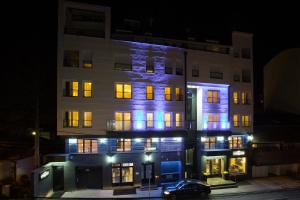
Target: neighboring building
(123,110)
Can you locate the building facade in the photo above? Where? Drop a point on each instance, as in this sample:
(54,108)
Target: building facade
(127,105)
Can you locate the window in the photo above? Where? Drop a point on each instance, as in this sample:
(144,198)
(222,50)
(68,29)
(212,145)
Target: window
(71,119)
(122,173)
(195,72)
(246,76)
(149,66)
(235,142)
(178,92)
(122,121)
(149,92)
(246,53)
(179,71)
(245,98)
(178,121)
(168,70)
(213,118)
(168,120)
(236,78)
(150,120)
(123,67)
(210,143)
(87,146)
(213,96)
(235,120)
(149,145)
(216,75)
(236,52)
(237,165)
(87,60)
(168,94)
(87,119)
(87,89)
(123,144)
(245,120)
(71,89)
(235,97)
(123,91)
(71,58)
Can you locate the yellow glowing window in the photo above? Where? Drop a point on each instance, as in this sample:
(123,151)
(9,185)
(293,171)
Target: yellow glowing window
(87,89)
(119,121)
(178,120)
(72,119)
(235,97)
(122,121)
(167,119)
(148,144)
(150,123)
(149,92)
(237,165)
(94,146)
(235,120)
(212,96)
(179,96)
(235,142)
(87,119)
(246,120)
(210,118)
(75,89)
(216,118)
(243,98)
(123,91)
(87,146)
(127,91)
(80,145)
(168,94)
(123,144)
(119,91)
(215,96)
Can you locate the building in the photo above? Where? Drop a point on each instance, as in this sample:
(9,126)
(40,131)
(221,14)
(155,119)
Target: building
(124,113)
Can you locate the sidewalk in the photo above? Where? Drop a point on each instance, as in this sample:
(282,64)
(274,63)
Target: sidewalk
(261,185)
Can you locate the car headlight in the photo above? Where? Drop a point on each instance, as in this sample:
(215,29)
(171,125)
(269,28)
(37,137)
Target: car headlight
(166,192)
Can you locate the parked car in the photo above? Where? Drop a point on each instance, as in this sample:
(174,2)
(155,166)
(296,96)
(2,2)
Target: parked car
(186,189)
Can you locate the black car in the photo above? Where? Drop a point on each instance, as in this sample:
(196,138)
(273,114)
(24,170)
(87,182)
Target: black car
(186,189)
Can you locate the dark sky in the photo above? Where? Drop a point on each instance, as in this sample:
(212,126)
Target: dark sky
(30,43)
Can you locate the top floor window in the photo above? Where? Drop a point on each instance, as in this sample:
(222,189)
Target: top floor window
(213,96)
(71,58)
(123,67)
(246,53)
(123,91)
(150,66)
(245,98)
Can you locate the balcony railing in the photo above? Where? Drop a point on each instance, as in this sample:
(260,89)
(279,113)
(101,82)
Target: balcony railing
(141,125)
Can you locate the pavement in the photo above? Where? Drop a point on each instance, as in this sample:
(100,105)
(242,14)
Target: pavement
(252,186)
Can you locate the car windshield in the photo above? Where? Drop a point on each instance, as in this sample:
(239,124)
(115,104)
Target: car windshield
(179,184)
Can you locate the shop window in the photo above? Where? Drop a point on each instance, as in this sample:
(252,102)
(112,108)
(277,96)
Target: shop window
(149,145)
(237,165)
(149,92)
(168,94)
(213,96)
(245,98)
(123,145)
(123,91)
(235,142)
(122,173)
(87,146)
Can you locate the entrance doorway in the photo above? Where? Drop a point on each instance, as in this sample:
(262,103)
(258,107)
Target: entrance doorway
(122,174)
(214,167)
(88,177)
(58,178)
(148,173)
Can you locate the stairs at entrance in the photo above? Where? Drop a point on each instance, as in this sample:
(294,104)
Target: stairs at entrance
(220,183)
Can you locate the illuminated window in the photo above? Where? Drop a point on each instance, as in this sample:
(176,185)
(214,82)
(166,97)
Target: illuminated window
(87,89)
(212,118)
(71,89)
(178,121)
(235,142)
(210,143)
(87,119)
(149,145)
(235,97)
(245,98)
(71,58)
(213,96)
(235,120)
(150,122)
(122,173)
(246,120)
(87,146)
(167,120)
(149,92)
(122,121)
(216,118)
(237,165)
(123,91)
(123,144)
(168,94)
(71,119)
(179,96)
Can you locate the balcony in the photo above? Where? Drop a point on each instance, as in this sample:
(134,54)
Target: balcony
(210,126)
(143,125)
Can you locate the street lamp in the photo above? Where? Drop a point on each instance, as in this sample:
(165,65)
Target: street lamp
(33,133)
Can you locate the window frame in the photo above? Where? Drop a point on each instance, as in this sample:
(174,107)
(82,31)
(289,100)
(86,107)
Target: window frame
(152,89)
(179,95)
(85,120)
(88,91)
(212,96)
(122,147)
(69,119)
(123,90)
(91,147)
(168,95)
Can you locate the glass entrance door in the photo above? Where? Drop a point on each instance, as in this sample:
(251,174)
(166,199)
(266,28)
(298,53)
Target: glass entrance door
(122,174)
(213,167)
(148,173)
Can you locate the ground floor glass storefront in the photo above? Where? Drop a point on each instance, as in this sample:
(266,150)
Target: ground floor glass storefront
(237,165)
(213,165)
(122,174)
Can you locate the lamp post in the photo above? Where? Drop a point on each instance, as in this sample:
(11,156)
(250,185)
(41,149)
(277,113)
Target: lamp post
(36,134)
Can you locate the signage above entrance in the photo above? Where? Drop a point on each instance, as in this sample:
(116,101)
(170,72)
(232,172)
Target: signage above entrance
(238,153)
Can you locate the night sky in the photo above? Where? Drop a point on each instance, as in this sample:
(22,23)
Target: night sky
(29,45)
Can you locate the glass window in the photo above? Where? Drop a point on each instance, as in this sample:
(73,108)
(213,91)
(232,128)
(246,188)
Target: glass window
(122,121)
(168,70)
(213,96)
(71,119)
(87,146)
(178,122)
(123,67)
(71,58)
(71,89)
(149,92)
(179,71)
(245,98)
(167,120)
(87,119)
(237,165)
(236,78)
(123,144)
(178,92)
(235,142)
(148,145)
(168,94)
(195,72)
(123,91)
(216,75)
(235,120)
(246,76)
(87,89)
(245,120)
(235,97)
(210,143)
(150,122)
(149,66)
